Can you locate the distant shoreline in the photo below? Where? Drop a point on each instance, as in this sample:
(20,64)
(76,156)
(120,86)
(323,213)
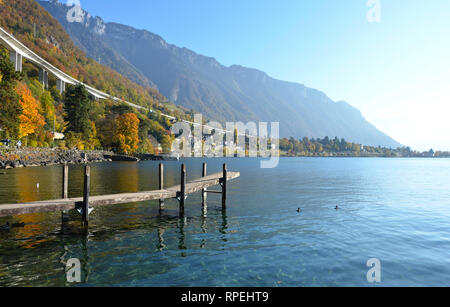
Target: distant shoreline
(365,157)
(369,157)
(34,157)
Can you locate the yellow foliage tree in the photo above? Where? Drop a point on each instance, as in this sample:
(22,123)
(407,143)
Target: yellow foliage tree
(127,133)
(146,147)
(92,142)
(30,119)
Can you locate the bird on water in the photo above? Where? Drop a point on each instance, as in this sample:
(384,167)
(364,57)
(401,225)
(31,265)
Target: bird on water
(299,210)
(337,208)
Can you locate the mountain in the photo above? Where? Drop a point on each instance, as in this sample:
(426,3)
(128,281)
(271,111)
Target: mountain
(221,93)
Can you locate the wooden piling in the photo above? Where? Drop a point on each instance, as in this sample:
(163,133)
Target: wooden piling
(85,206)
(182,189)
(65,191)
(224,185)
(193,186)
(204,194)
(65,181)
(161,184)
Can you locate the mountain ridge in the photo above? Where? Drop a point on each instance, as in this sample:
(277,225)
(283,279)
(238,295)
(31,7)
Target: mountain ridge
(233,93)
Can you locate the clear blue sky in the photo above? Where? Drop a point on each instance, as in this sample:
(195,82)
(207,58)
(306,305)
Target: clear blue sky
(396,72)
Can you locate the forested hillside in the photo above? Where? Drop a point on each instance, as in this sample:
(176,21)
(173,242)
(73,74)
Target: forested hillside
(32,114)
(39,31)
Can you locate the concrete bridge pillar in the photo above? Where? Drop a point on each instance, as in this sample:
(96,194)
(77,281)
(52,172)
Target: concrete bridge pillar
(43,78)
(16,58)
(60,86)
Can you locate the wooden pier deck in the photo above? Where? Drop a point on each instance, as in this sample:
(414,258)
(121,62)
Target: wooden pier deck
(197,185)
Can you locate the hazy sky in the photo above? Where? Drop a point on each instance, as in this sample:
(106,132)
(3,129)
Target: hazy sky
(396,72)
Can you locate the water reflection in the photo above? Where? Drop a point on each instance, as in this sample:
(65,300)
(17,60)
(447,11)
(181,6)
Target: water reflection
(182,222)
(29,184)
(161,246)
(204,226)
(85,263)
(42,183)
(76,247)
(224,227)
(141,230)
(127,178)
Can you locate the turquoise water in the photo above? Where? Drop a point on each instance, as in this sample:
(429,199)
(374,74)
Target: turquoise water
(396,210)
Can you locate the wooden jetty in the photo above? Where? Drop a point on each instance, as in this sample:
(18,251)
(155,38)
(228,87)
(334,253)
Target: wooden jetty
(87,202)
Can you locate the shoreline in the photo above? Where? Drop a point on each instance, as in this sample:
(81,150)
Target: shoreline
(33,157)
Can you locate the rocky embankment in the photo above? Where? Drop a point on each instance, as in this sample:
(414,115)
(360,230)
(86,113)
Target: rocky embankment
(27,157)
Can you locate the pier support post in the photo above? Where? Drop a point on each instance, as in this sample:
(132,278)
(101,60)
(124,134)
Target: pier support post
(43,77)
(161,184)
(204,194)
(16,58)
(65,190)
(182,189)
(87,182)
(65,181)
(224,186)
(60,86)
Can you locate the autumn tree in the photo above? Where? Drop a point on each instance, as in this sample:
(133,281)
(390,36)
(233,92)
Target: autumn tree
(126,134)
(30,119)
(10,108)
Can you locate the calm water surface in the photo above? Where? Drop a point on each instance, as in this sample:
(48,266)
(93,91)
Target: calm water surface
(396,210)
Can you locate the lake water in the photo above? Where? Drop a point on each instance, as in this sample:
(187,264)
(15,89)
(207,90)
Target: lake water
(395,210)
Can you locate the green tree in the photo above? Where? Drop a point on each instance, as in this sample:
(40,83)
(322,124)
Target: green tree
(144,128)
(157,130)
(166,143)
(48,108)
(121,109)
(10,108)
(77,106)
(106,130)
(146,147)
